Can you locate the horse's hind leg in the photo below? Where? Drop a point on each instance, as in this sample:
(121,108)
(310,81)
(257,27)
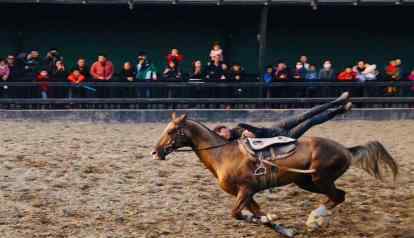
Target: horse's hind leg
(320,216)
(335,196)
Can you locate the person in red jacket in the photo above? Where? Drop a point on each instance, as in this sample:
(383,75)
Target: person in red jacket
(102,70)
(175,56)
(43,78)
(347,75)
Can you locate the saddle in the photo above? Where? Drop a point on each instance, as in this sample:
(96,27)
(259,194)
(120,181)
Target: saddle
(274,148)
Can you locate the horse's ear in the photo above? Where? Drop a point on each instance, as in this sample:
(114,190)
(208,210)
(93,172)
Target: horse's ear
(181,119)
(173,116)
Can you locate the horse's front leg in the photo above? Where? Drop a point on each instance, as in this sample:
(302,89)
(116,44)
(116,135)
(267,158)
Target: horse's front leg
(258,214)
(243,199)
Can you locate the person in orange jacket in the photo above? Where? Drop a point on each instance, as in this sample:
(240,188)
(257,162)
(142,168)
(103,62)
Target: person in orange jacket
(76,79)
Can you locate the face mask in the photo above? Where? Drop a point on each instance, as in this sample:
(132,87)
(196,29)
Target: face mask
(299,66)
(327,66)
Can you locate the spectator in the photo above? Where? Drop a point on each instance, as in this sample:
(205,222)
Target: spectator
(365,71)
(102,70)
(4,77)
(226,72)
(128,72)
(4,70)
(32,63)
(215,70)
(82,67)
(59,72)
(172,72)
(281,72)
(300,72)
(145,70)
(304,60)
(175,56)
(393,71)
(400,66)
(76,78)
(49,62)
(197,71)
(216,51)
(267,80)
(236,73)
(347,75)
(311,73)
(327,72)
(16,70)
(411,78)
(359,67)
(43,78)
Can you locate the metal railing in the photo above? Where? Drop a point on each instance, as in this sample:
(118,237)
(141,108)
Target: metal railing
(167,94)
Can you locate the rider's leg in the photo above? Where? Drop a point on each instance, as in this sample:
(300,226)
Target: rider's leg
(300,129)
(295,120)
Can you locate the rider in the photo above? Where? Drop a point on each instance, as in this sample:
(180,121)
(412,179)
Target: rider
(294,126)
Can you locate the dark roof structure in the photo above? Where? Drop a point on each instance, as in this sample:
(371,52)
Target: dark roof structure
(221,2)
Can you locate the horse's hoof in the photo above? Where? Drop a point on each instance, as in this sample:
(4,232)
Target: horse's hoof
(319,218)
(264,220)
(272,217)
(284,231)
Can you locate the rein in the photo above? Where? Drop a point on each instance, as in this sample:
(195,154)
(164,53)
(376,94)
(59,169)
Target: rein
(207,148)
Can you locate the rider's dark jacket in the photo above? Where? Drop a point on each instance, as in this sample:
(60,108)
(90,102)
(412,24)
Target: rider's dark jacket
(260,132)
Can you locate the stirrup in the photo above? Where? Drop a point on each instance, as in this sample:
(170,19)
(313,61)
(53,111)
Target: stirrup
(261,169)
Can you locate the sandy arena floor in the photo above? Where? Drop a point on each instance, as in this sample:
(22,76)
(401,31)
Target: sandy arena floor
(97,180)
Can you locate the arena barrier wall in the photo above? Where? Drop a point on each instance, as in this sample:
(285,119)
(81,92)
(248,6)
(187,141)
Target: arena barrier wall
(142,116)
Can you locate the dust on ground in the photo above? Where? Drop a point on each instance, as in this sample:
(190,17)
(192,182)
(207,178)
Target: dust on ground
(65,179)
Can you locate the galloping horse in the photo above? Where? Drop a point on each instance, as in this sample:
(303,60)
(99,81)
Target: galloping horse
(314,167)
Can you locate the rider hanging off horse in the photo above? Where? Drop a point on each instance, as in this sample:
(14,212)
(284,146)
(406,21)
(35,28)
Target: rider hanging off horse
(313,163)
(294,126)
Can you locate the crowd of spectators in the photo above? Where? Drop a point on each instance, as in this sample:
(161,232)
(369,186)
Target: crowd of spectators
(52,68)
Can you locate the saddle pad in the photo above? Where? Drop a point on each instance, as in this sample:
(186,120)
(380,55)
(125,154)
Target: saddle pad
(261,143)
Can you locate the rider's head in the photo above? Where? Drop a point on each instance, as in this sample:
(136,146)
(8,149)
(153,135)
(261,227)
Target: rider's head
(223,131)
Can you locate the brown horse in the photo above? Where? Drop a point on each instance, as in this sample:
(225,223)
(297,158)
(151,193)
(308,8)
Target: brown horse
(314,167)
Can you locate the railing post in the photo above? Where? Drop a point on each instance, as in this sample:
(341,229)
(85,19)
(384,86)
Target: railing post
(262,37)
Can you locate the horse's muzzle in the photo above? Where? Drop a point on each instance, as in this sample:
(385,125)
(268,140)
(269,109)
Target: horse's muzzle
(158,154)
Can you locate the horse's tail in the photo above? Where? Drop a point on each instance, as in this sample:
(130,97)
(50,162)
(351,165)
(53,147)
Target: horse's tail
(371,157)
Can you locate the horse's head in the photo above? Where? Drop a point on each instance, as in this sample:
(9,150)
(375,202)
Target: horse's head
(174,136)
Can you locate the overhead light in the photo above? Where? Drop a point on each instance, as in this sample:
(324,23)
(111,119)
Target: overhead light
(219,2)
(131,4)
(399,2)
(174,2)
(314,4)
(356,2)
(84,2)
(267,2)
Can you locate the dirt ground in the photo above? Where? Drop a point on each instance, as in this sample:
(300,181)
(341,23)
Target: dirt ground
(66,179)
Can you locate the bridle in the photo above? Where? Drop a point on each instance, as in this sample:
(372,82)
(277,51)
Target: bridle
(180,132)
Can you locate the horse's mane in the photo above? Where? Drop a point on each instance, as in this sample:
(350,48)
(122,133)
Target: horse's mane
(206,128)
